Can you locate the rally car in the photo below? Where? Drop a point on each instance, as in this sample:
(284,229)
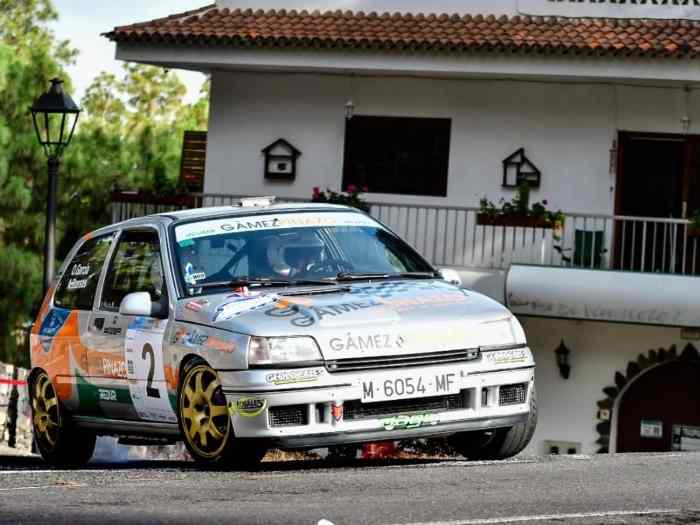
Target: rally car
(296,326)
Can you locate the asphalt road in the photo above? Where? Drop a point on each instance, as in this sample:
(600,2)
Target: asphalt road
(582,490)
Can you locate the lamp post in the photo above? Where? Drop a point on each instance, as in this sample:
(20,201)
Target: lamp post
(55,116)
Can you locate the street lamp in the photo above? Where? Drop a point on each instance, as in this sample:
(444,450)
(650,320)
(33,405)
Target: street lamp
(55,116)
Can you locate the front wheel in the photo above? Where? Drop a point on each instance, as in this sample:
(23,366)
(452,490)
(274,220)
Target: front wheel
(500,443)
(58,440)
(205,422)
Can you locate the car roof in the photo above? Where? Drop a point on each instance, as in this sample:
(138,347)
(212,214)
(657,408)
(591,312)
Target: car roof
(171,217)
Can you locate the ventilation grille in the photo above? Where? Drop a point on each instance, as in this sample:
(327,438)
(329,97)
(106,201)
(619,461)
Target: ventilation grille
(354,410)
(401,361)
(512,394)
(289,416)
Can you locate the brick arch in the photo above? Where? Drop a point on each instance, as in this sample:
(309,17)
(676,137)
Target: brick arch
(644,362)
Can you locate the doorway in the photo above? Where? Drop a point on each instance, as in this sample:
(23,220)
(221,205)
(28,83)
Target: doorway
(658,177)
(660,410)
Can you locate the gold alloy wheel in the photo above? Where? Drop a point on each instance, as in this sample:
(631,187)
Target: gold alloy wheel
(47,418)
(203,411)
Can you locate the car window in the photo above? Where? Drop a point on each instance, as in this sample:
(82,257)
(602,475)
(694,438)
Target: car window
(288,247)
(135,267)
(76,290)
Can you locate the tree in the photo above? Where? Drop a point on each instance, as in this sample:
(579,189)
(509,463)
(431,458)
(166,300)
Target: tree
(129,135)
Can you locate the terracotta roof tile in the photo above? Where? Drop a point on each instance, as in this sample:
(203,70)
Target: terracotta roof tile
(346,29)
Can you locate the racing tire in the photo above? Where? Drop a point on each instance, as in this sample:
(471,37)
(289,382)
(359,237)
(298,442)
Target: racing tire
(59,441)
(205,422)
(500,443)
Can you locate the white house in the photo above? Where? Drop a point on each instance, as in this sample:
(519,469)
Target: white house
(597,104)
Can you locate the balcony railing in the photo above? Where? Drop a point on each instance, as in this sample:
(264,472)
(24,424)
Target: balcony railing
(453,236)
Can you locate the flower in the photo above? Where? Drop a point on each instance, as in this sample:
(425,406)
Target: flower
(352,188)
(545,202)
(365,189)
(317,192)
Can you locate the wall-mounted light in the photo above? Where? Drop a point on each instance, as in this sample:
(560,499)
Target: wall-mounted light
(562,353)
(349,109)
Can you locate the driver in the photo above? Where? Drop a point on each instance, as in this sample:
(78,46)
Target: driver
(305,254)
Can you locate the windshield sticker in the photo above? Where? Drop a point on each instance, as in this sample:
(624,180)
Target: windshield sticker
(192,277)
(270,222)
(238,304)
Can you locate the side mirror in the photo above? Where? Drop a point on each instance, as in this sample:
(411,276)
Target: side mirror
(451,276)
(137,304)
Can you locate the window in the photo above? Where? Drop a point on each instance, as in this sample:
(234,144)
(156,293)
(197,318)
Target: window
(407,156)
(136,267)
(78,284)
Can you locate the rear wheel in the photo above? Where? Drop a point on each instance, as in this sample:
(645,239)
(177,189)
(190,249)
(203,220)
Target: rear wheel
(500,443)
(205,422)
(58,440)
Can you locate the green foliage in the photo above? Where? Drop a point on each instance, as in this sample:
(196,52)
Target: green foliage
(129,135)
(519,206)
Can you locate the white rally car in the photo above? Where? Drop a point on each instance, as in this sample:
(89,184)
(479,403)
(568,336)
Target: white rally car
(294,326)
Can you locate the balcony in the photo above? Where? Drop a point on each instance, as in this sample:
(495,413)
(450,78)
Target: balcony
(452,236)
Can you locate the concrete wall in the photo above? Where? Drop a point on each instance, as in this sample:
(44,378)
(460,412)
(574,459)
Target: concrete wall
(567,130)
(567,407)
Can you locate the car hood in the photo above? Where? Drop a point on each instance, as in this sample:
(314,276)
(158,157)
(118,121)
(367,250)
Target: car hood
(382,318)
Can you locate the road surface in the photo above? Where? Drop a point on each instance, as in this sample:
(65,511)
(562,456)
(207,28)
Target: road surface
(582,490)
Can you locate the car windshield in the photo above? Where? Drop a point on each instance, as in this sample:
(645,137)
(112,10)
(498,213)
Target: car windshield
(296,248)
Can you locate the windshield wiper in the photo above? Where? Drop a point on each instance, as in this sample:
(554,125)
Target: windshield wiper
(238,283)
(350,276)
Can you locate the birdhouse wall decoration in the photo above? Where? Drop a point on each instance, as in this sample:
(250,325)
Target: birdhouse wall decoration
(281,161)
(517,168)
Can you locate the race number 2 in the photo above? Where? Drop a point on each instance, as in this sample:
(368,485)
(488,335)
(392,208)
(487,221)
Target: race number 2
(144,358)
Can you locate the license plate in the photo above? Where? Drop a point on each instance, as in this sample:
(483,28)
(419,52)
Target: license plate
(407,386)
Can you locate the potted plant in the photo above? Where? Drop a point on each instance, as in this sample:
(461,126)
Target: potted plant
(693,229)
(518,212)
(351,197)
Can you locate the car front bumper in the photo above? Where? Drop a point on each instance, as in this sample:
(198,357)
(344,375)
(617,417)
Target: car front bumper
(321,409)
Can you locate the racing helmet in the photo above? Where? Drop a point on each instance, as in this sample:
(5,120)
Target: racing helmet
(305,250)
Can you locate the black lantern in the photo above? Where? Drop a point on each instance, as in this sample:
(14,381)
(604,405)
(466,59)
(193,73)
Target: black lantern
(55,116)
(562,353)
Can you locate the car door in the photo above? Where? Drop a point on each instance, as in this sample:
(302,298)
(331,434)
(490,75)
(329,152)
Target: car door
(131,356)
(65,332)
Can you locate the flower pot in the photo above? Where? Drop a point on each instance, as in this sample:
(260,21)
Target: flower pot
(483,219)
(693,231)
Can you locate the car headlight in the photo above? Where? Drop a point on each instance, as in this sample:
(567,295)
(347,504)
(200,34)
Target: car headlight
(282,350)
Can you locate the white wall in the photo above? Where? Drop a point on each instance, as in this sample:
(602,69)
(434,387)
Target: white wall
(566,129)
(567,408)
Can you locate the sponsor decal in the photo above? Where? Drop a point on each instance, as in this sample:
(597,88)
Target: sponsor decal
(337,411)
(369,342)
(239,304)
(107,395)
(293,377)
(53,322)
(247,407)
(191,339)
(506,357)
(220,345)
(406,422)
(112,368)
(112,330)
(197,306)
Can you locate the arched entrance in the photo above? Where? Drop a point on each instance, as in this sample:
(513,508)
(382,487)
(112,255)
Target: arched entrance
(648,399)
(664,399)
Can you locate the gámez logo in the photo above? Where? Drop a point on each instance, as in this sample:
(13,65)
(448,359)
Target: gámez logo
(367,342)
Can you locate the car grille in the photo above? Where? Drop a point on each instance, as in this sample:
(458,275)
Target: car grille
(289,416)
(401,361)
(512,394)
(354,410)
